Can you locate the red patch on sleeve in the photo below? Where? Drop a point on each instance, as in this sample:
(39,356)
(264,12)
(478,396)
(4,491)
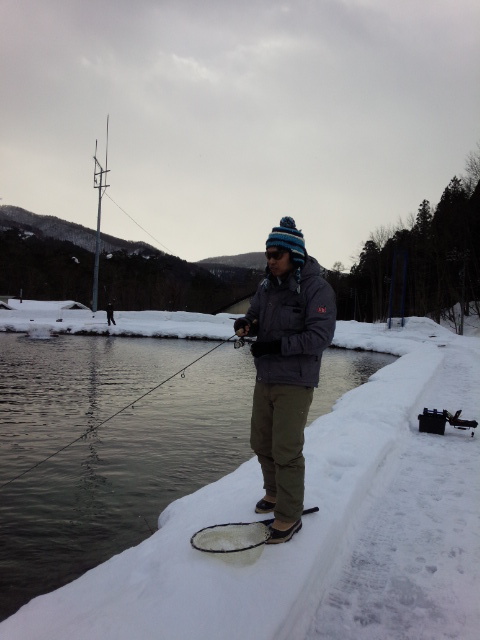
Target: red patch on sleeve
(322,309)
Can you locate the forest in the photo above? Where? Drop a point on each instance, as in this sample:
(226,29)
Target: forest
(44,268)
(422,270)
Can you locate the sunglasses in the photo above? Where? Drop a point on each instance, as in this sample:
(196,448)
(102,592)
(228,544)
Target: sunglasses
(275,255)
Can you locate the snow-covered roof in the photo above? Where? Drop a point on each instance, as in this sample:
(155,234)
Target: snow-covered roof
(45,305)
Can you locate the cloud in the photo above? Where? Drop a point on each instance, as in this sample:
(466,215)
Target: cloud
(226,116)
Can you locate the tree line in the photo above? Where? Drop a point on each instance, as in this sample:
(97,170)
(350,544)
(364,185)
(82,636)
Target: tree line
(422,270)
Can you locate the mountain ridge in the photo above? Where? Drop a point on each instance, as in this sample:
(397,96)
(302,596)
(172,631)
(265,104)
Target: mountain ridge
(46,258)
(252,260)
(12,216)
(50,226)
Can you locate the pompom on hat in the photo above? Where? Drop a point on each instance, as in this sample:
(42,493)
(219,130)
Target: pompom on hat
(288,237)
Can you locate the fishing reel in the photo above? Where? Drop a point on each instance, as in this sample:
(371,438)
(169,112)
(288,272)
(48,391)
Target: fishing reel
(241,339)
(239,343)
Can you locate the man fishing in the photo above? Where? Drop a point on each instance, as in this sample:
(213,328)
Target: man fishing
(110,314)
(293,316)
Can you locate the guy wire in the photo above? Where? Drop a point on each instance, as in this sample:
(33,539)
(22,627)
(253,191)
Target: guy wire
(114,415)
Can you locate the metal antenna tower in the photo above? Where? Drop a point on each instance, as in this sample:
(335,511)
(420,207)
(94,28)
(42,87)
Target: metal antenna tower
(98,174)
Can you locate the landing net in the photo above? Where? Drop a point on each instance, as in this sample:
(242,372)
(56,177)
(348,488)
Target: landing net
(238,542)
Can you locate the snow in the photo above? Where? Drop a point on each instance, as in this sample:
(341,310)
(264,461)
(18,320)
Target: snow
(41,306)
(393,553)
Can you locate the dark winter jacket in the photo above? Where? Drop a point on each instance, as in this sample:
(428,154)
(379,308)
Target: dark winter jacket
(302,317)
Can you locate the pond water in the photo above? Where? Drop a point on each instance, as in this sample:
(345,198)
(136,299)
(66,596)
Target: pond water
(103,491)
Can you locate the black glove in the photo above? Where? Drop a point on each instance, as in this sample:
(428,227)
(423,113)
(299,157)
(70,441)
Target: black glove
(240,323)
(260,349)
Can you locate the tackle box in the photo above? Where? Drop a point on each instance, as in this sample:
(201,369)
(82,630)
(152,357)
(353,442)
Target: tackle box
(432,421)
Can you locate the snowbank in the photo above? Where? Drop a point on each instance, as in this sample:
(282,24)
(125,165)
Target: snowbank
(163,588)
(55,317)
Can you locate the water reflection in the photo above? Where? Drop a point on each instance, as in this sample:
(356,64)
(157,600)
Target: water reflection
(104,493)
(92,484)
(343,370)
(93,377)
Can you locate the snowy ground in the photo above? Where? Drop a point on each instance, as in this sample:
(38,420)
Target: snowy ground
(414,568)
(394,552)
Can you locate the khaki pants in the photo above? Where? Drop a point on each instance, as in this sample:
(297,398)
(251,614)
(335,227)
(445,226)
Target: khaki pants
(279,416)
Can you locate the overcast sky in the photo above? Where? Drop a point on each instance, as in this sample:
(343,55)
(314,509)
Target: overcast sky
(225,116)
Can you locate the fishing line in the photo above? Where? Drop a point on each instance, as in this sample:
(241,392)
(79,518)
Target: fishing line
(114,415)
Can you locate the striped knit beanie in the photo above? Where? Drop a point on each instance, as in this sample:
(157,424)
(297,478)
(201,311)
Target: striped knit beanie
(288,237)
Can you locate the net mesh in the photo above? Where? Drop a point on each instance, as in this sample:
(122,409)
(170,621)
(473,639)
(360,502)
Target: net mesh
(237,542)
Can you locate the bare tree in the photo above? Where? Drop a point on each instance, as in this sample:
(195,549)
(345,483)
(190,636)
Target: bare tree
(411,221)
(338,266)
(472,168)
(382,234)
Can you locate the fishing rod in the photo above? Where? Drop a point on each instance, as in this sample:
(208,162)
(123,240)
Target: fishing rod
(114,415)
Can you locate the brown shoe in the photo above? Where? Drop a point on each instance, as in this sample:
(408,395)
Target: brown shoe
(277,536)
(264,506)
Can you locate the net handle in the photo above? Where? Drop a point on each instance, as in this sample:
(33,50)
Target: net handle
(304,513)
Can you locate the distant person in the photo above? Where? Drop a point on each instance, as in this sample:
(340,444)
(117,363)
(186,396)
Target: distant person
(110,314)
(293,316)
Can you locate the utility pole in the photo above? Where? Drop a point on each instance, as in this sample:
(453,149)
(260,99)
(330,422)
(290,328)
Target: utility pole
(98,184)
